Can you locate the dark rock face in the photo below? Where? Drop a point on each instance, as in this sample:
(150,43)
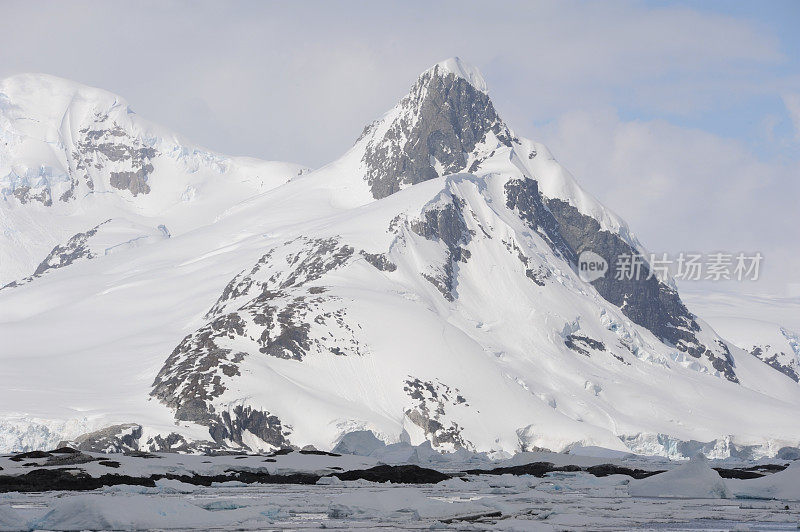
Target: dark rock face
(53,458)
(66,479)
(777,360)
(380,261)
(72,479)
(398,474)
(443,118)
(104,144)
(314,259)
(523,196)
(540,469)
(64,450)
(127,439)
(133,180)
(538,276)
(74,250)
(70,459)
(190,372)
(604,470)
(190,380)
(316,452)
(103,149)
(26,195)
(644,300)
(231,424)
(292,342)
(740,474)
(273,308)
(113,439)
(446,223)
(31,454)
(581,344)
(432,399)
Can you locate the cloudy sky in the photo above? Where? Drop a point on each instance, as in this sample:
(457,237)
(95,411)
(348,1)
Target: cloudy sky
(683,117)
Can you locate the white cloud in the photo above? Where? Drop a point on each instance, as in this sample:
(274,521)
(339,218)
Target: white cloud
(299,81)
(792,103)
(684,189)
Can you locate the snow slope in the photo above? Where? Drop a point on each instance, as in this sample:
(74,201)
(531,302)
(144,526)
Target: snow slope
(422,287)
(764,326)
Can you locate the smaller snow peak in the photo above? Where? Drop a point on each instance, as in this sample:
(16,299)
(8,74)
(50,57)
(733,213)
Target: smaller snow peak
(457,67)
(36,90)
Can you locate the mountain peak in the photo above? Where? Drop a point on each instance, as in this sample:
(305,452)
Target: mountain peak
(43,99)
(435,130)
(461,69)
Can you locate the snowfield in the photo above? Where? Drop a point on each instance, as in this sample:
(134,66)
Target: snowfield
(423,287)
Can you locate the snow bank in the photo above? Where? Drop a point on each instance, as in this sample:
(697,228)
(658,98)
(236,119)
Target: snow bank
(692,480)
(598,452)
(784,485)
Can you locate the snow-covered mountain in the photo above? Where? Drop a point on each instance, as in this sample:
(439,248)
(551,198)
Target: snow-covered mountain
(72,157)
(424,286)
(774,344)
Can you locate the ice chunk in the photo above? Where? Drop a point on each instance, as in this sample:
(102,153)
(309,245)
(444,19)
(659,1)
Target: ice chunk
(694,479)
(360,442)
(784,485)
(175,486)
